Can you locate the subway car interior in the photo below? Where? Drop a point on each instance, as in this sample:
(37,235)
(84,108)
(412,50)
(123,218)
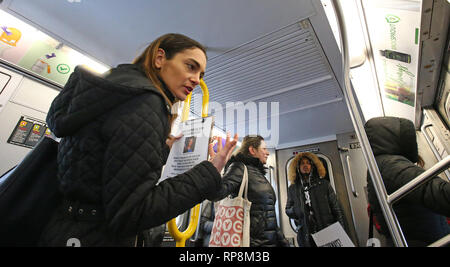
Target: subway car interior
(304,74)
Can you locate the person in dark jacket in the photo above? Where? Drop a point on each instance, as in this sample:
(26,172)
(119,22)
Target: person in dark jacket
(311,202)
(264,231)
(206,224)
(115,140)
(422,212)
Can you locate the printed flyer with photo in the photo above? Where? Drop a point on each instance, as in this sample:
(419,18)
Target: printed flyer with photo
(191,149)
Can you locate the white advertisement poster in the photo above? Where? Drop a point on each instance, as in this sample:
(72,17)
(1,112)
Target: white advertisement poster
(191,149)
(332,236)
(395,38)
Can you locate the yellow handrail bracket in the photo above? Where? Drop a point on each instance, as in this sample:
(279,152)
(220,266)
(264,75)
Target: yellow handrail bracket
(181,237)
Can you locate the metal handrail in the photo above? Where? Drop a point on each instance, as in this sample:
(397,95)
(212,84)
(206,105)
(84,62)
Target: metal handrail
(350,175)
(356,117)
(181,237)
(441,242)
(422,178)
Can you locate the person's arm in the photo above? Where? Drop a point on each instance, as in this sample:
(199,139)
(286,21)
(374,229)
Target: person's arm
(434,194)
(231,181)
(136,137)
(290,212)
(335,207)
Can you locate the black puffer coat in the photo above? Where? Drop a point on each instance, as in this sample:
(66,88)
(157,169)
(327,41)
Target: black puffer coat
(110,158)
(325,205)
(393,142)
(264,231)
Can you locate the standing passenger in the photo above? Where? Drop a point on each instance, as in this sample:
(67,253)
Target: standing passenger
(206,224)
(421,213)
(114,132)
(264,231)
(311,201)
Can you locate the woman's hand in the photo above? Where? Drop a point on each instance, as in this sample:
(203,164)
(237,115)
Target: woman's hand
(171,139)
(223,154)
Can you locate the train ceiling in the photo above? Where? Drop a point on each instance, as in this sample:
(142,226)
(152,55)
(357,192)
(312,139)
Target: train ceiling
(259,51)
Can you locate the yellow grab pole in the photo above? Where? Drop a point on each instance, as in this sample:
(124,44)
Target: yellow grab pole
(186,106)
(205,100)
(181,237)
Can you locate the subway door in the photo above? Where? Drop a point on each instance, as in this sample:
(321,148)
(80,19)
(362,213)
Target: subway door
(22,99)
(355,171)
(329,155)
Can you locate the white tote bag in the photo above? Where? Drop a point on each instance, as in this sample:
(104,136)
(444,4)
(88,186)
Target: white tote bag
(232,220)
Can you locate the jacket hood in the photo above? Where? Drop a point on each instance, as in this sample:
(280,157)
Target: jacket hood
(292,172)
(392,136)
(247,160)
(86,96)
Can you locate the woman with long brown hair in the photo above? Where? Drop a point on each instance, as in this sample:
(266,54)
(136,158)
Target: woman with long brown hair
(115,140)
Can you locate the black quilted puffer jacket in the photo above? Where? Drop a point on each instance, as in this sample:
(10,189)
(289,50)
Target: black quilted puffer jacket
(422,212)
(264,231)
(110,157)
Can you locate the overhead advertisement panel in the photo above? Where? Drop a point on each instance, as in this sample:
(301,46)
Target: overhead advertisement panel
(394,32)
(38,53)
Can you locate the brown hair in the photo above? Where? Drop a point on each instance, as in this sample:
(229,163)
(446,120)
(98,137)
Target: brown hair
(171,43)
(250,141)
(420,162)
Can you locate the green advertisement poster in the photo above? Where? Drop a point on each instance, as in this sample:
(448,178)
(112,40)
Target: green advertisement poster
(33,50)
(47,61)
(394,36)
